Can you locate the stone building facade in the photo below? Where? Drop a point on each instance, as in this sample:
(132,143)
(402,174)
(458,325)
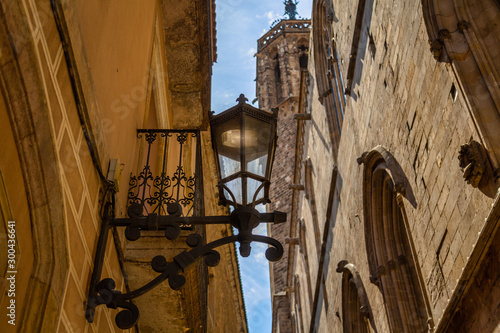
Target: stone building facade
(395,187)
(281,63)
(77,80)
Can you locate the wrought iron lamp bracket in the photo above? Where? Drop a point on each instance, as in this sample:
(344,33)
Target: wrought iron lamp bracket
(172,200)
(245,219)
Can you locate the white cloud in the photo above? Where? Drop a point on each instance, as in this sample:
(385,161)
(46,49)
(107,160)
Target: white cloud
(270,15)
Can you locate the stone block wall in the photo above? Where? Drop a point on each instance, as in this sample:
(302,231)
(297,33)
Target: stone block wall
(281,93)
(281,194)
(411,104)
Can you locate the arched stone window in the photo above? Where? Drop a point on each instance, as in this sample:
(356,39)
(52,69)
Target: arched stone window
(328,74)
(355,307)
(391,256)
(298,304)
(310,195)
(302,51)
(277,78)
(467,35)
(303,251)
(358,47)
(270,72)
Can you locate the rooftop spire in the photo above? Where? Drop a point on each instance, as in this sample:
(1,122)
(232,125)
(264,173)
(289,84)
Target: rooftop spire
(291,9)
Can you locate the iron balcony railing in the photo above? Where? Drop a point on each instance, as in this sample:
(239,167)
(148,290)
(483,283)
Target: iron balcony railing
(170,181)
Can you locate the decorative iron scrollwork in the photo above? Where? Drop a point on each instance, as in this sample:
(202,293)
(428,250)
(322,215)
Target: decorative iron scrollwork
(104,292)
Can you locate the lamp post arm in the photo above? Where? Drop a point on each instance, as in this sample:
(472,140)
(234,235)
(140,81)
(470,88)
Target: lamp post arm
(127,318)
(159,222)
(171,223)
(244,219)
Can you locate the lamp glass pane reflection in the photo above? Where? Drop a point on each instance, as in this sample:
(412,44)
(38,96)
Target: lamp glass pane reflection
(228,141)
(257,140)
(244,140)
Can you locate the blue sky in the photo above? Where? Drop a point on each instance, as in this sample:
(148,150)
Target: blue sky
(239,24)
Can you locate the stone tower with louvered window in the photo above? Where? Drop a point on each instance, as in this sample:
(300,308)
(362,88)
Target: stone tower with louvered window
(282,55)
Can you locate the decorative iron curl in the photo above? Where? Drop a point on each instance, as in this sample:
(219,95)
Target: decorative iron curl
(181,138)
(106,294)
(136,183)
(150,137)
(133,230)
(127,318)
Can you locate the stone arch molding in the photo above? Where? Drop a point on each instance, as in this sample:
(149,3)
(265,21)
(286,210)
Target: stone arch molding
(375,161)
(350,271)
(392,259)
(467,35)
(330,86)
(322,16)
(379,154)
(22,87)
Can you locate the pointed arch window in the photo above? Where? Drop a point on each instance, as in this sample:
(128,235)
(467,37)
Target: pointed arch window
(305,257)
(277,78)
(310,195)
(356,311)
(302,51)
(298,304)
(392,260)
(328,73)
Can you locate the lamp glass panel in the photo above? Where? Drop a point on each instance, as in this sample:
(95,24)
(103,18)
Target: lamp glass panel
(257,141)
(228,166)
(228,141)
(252,188)
(235,187)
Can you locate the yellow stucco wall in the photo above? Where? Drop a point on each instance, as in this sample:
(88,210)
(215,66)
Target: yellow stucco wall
(122,69)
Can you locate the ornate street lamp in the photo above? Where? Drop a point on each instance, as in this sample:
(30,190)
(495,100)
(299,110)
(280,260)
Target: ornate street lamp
(244,140)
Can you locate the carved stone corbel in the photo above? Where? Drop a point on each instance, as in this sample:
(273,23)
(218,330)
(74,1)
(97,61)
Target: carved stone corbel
(400,188)
(374,279)
(437,45)
(472,157)
(444,34)
(399,199)
(340,266)
(360,160)
(463,25)
(437,49)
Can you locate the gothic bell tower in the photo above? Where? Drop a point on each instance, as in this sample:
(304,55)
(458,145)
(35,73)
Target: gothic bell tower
(282,55)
